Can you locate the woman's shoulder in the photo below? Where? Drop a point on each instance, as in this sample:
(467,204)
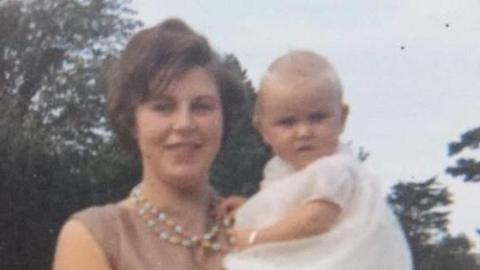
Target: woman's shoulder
(98,213)
(105,221)
(103,225)
(86,241)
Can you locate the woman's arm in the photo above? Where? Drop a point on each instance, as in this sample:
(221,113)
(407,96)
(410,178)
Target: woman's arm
(310,219)
(78,250)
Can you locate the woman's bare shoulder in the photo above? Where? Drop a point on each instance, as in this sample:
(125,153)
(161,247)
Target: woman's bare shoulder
(78,249)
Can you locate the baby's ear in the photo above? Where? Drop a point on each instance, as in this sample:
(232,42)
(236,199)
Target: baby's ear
(345,113)
(258,125)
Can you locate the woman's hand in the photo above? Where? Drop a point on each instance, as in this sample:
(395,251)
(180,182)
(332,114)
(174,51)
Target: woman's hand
(228,206)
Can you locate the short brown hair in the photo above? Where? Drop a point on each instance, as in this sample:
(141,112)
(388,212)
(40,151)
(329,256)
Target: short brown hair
(153,58)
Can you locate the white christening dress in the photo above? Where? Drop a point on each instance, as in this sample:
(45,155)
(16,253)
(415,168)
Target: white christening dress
(367,235)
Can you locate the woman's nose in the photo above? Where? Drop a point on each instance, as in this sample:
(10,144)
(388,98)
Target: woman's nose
(184,120)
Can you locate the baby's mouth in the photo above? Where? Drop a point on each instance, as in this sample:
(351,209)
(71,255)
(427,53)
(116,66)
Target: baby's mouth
(305,148)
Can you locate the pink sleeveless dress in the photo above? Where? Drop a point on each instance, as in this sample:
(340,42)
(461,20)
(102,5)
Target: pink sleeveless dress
(129,244)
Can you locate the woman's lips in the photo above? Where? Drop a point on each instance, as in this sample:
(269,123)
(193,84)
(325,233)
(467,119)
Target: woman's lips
(183,146)
(183,151)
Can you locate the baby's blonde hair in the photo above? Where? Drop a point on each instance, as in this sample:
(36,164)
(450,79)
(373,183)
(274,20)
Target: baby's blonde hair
(300,66)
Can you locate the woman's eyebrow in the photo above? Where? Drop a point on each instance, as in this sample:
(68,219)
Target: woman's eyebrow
(208,97)
(161,97)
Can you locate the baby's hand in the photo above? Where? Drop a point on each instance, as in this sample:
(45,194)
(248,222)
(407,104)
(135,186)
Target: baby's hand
(239,238)
(228,206)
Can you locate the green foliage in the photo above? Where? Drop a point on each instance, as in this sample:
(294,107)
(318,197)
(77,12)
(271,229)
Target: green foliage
(469,168)
(56,155)
(32,206)
(53,52)
(449,253)
(420,208)
(238,168)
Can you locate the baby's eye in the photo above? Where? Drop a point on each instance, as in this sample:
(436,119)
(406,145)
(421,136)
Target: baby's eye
(286,122)
(316,117)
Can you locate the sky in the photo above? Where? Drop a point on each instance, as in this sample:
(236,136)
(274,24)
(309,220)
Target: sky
(410,71)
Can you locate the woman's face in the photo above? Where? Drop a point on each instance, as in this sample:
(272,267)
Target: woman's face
(179,131)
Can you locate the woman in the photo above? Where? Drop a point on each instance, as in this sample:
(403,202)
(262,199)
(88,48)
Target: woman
(173,101)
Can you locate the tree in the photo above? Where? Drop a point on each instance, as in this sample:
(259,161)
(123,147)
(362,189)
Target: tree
(421,209)
(52,124)
(453,252)
(469,168)
(238,168)
(53,54)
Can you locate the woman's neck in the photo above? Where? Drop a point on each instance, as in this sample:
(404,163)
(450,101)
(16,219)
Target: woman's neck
(190,207)
(164,194)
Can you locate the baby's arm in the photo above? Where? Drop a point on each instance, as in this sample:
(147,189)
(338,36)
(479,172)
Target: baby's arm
(312,218)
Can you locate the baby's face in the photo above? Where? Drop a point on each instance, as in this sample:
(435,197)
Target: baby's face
(301,122)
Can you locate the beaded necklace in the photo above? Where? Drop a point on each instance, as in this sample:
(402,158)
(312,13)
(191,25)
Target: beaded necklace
(167,229)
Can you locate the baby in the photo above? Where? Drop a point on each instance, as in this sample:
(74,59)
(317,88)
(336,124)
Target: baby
(318,207)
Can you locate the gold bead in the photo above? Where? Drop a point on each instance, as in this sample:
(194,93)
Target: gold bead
(206,244)
(174,239)
(170,222)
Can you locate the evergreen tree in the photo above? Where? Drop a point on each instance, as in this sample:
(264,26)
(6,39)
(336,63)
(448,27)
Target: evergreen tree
(238,168)
(421,209)
(469,168)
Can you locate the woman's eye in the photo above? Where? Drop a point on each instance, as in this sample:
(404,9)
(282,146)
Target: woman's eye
(203,106)
(163,107)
